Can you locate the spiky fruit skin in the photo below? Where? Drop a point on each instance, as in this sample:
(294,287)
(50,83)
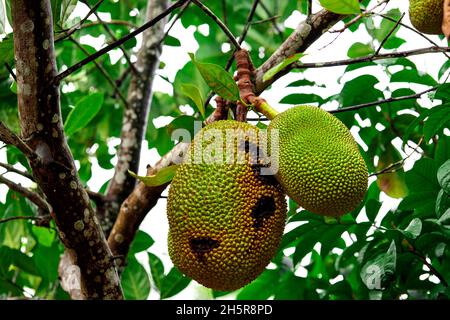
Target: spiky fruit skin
(320,166)
(225,220)
(426,15)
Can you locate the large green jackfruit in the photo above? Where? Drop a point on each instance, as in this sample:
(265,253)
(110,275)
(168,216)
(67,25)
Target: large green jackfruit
(427,15)
(320,166)
(225,219)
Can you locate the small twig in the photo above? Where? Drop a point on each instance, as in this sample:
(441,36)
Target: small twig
(103,72)
(9,137)
(42,218)
(77,26)
(224,12)
(369,58)
(240,41)
(396,165)
(271,19)
(32,196)
(433,270)
(274,23)
(219,22)
(111,22)
(177,17)
(375,103)
(389,34)
(309,7)
(415,31)
(11,72)
(117,43)
(10,168)
(113,37)
(359,17)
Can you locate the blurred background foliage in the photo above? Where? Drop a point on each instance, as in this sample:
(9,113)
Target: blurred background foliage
(375,252)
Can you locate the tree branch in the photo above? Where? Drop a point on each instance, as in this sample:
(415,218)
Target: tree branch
(55,172)
(119,42)
(389,100)
(32,196)
(113,37)
(102,71)
(370,58)
(301,38)
(11,168)
(77,26)
(9,137)
(219,22)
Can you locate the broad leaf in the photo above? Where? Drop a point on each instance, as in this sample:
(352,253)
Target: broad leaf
(141,242)
(83,113)
(173,283)
(165,175)
(273,71)
(135,281)
(219,80)
(195,95)
(341,6)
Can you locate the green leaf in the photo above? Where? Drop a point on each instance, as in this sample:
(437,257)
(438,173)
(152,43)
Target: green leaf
(445,217)
(141,242)
(359,49)
(172,41)
(444,68)
(44,236)
(413,229)
(273,71)
(165,175)
(173,283)
(261,288)
(218,80)
(375,271)
(391,183)
(23,262)
(193,92)
(443,176)
(83,113)
(135,281)
(156,269)
(438,117)
(413,75)
(67,7)
(341,6)
(442,202)
(302,98)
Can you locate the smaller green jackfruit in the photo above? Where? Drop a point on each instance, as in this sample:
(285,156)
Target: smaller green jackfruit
(320,166)
(427,15)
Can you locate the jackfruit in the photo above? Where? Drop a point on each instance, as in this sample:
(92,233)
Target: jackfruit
(427,15)
(320,166)
(225,218)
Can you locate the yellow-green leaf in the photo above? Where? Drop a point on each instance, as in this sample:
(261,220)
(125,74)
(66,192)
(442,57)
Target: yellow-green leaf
(193,92)
(392,183)
(273,71)
(165,175)
(83,113)
(341,6)
(218,79)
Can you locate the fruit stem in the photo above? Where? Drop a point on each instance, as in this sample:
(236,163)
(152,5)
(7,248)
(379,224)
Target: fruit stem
(263,107)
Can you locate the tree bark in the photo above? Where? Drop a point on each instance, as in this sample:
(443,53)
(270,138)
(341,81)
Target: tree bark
(53,167)
(134,123)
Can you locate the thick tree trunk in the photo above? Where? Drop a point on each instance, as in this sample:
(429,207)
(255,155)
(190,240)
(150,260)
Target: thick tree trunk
(54,168)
